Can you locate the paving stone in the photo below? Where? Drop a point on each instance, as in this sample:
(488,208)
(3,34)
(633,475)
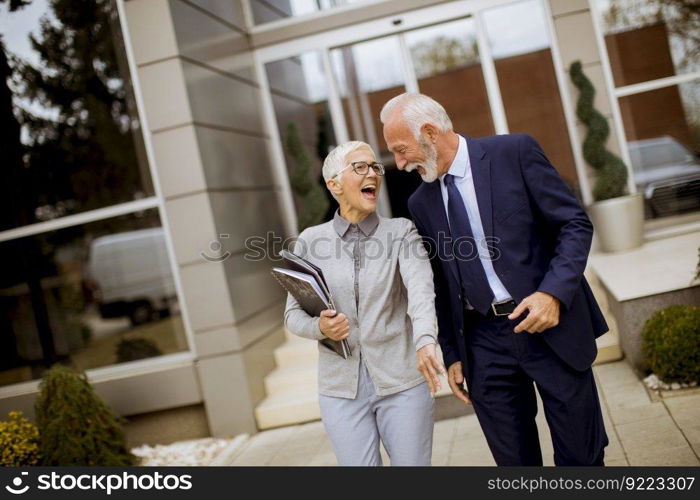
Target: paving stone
(619,462)
(650,436)
(679,456)
(626,414)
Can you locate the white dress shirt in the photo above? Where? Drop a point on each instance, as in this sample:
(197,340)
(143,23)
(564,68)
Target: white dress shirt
(462,171)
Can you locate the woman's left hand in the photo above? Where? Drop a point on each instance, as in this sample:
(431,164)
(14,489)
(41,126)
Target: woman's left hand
(429,366)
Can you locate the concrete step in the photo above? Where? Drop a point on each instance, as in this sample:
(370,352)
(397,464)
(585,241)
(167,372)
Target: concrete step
(297,353)
(302,377)
(277,410)
(609,343)
(608,347)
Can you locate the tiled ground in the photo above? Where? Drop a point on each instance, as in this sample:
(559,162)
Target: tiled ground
(641,432)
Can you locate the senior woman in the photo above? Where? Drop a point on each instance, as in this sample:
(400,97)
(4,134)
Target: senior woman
(380,277)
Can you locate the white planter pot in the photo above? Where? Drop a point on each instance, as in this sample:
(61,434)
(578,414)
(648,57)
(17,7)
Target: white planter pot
(619,222)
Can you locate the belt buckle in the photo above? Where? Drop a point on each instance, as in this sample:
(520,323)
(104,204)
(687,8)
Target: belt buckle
(495,310)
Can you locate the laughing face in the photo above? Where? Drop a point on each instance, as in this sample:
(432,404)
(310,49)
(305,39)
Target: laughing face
(411,153)
(359,192)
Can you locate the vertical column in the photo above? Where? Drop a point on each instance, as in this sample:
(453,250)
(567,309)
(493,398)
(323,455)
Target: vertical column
(202,109)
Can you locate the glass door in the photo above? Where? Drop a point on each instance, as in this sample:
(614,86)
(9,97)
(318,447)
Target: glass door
(367,74)
(488,63)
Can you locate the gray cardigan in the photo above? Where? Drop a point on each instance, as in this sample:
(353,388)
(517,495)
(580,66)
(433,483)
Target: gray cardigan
(395,314)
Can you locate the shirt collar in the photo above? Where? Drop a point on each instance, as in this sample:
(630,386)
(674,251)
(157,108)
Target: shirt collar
(366,225)
(460,162)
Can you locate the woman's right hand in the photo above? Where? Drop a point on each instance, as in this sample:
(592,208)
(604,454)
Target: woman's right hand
(332,325)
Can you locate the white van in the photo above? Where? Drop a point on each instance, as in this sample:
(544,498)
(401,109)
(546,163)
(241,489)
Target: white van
(129,274)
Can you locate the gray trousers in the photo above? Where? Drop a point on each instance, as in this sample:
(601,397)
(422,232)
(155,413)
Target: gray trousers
(402,421)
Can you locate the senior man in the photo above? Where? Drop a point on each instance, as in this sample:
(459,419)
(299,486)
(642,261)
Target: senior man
(514,310)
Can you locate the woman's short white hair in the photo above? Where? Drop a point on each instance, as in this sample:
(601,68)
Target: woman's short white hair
(336,159)
(417,110)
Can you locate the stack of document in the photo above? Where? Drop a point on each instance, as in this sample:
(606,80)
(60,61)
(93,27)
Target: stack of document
(305,282)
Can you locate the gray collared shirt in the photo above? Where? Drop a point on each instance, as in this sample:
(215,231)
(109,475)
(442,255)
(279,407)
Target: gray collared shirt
(380,277)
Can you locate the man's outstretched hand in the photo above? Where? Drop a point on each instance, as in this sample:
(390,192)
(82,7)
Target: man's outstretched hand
(544,313)
(456,380)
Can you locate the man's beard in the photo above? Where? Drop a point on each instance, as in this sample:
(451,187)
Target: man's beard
(429,165)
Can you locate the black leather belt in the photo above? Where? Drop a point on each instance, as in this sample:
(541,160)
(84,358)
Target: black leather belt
(503,308)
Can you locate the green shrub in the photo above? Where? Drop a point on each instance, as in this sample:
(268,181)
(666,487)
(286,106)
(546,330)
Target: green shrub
(19,441)
(671,344)
(133,349)
(75,425)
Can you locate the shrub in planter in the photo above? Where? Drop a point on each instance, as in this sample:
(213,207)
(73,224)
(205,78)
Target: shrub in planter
(671,344)
(75,425)
(133,349)
(19,441)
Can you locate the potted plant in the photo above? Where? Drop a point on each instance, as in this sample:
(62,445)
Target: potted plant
(618,216)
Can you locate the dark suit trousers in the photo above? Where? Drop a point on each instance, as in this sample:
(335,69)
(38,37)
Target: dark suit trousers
(502,371)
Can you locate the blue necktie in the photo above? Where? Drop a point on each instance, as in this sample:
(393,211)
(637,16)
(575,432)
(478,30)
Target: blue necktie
(475,285)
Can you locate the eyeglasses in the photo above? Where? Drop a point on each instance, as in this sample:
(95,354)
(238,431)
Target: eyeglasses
(362,168)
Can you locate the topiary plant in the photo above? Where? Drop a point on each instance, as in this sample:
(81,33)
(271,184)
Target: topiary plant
(314,203)
(671,344)
(133,349)
(75,425)
(611,180)
(19,441)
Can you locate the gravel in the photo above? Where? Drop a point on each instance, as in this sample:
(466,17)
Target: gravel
(655,383)
(192,452)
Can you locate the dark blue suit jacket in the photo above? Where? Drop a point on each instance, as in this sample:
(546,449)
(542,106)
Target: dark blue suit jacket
(540,236)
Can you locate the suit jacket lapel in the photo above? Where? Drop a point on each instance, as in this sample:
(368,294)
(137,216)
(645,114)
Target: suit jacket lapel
(437,209)
(481,173)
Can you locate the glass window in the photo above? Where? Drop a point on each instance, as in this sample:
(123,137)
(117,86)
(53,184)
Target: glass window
(265,11)
(448,68)
(71,138)
(368,75)
(90,296)
(662,127)
(650,39)
(298,88)
(517,35)
(647,40)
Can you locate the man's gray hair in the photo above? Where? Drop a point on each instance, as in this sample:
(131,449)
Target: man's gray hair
(417,110)
(335,161)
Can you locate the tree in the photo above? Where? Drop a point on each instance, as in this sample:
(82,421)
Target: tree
(81,151)
(443,54)
(16,212)
(76,153)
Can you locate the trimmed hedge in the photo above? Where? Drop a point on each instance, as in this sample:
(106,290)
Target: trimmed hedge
(611,179)
(76,426)
(671,344)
